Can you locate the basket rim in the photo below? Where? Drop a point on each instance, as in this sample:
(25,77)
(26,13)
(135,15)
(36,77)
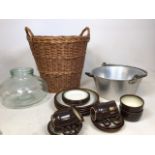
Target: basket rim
(85,30)
(59,36)
(73,37)
(58,39)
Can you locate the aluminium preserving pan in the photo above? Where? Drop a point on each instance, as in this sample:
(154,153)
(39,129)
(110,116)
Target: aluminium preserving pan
(112,80)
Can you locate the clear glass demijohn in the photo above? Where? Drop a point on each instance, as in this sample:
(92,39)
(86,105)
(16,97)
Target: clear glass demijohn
(22,89)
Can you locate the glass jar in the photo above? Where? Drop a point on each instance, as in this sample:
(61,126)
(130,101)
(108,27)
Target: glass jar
(22,89)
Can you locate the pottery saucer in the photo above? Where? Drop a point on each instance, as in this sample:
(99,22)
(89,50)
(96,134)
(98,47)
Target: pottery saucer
(83,109)
(109,124)
(51,129)
(68,130)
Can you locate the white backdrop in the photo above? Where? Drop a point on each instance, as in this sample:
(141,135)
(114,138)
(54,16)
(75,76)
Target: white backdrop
(130,42)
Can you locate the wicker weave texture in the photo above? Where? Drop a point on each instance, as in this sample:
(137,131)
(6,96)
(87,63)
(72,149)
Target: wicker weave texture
(59,59)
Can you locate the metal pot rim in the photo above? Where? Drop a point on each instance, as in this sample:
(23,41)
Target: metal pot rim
(119,65)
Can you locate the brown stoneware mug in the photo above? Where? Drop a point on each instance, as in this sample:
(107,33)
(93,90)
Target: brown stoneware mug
(65,118)
(104,110)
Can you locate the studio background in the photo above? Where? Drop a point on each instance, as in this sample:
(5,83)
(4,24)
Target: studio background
(128,42)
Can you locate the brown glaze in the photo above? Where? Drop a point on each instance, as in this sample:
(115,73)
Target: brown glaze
(104,110)
(67,130)
(65,117)
(67,121)
(51,129)
(110,125)
(84,110)
(73,129)
(131,116)
(106,117)
(131,113)
(130,108)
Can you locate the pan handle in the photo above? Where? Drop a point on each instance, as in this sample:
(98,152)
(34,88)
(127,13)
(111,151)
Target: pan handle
(89,74)
(136,77)
(105,64)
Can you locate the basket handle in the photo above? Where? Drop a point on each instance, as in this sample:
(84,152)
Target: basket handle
(29,33)
(85,30)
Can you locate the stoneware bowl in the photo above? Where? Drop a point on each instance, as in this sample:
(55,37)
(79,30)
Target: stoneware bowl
(131,107)
(76,97)
(131,116)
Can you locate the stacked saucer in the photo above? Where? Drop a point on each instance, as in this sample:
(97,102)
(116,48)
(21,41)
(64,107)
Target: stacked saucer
(81,99)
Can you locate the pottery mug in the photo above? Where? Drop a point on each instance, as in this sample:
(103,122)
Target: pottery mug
(66,117)
(104,110)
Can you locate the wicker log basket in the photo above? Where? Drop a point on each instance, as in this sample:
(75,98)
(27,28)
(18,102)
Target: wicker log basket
(59,59)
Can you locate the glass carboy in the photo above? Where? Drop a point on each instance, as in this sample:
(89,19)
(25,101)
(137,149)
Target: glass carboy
(22,89)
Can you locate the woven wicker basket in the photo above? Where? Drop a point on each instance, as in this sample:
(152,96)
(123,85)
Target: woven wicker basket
(59,59)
